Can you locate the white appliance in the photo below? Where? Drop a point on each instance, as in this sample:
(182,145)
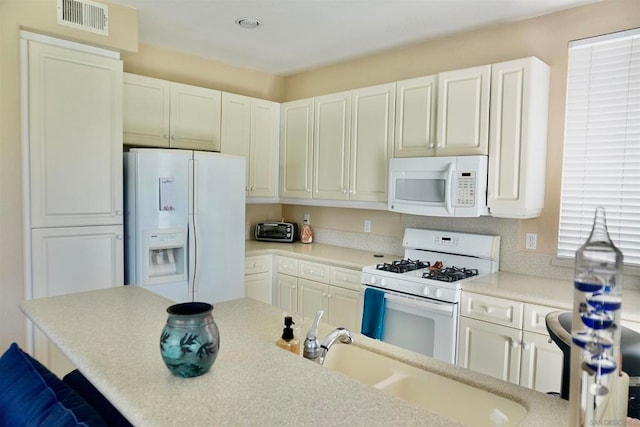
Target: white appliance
(185,223)
(422,291)
(439,186)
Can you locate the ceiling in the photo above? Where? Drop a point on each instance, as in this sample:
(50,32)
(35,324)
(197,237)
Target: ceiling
(298,35)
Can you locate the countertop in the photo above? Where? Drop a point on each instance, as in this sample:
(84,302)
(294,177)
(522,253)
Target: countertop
(518,287)
(112,336)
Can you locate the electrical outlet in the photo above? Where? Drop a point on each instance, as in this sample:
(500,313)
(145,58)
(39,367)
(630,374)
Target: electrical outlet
(306,218)
(367,226)
(531,241)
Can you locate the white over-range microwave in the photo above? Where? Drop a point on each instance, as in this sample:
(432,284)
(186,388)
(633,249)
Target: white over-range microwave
(439,186)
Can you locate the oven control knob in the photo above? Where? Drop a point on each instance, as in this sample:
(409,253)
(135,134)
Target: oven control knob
(438,293)
(372,280)
(426,291)
(383,282)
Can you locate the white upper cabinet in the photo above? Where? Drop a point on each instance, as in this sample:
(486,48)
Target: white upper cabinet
(372,112)
(250,129)
(332,125)
(75,137)
(416,117)
(463,111)
(353,140)
(160,113)
(296,149)
(518,138)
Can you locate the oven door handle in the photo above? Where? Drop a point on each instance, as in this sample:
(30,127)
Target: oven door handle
(442,308)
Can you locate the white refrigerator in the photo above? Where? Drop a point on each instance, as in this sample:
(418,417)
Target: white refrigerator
(185,223)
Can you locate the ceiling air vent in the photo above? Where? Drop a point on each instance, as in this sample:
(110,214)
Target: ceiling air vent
(85,15)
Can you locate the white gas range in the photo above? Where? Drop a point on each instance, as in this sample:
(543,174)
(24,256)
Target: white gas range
(418,295)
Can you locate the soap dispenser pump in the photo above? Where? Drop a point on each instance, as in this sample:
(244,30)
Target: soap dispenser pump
(288,341)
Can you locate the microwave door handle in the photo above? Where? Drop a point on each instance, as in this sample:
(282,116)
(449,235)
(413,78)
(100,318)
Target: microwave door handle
(449,192)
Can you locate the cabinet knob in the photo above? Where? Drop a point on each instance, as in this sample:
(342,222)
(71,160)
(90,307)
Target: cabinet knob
(165,136)
(350,191)
(293,286)
(487,309)
(308,190)
(515,344)
(252,188)
(118,236)
(344,191)
(526,346)
(119,213)
(550,341)
(173,137)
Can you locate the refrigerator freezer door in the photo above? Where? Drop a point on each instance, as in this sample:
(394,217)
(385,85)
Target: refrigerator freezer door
(219,223)
(157,196)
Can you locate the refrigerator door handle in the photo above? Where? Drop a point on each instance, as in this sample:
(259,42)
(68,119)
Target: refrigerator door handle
(192,237)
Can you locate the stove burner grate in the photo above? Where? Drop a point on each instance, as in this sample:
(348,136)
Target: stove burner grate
(402,266)
(450,274)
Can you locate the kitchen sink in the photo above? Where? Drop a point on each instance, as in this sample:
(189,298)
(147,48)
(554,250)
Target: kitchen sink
(445,396)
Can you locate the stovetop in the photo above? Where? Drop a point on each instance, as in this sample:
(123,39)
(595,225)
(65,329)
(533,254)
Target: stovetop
(436,264)
(435,271)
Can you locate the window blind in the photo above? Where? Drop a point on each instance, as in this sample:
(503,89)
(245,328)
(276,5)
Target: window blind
(601,164)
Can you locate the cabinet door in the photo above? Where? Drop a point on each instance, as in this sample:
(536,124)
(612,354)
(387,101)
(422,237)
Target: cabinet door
(258,287)
(331,146)
(235,132)
(287,293)
(518,138)
(72,259)
(265,116)
(312,296)
(541,367)
(463,111)
(343,308)
(490,349)
(145,110)
(75,137)
(415,117)
(296,149)
(195,117)
(373,114)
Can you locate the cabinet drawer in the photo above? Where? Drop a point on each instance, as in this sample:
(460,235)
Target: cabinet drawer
(257,264)
(313,271)
(287,265)
(345,278)
(492,309)
(534,318)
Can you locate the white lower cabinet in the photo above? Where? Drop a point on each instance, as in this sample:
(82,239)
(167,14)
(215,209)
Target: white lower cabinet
(257,278)
(508,340)
(303,287)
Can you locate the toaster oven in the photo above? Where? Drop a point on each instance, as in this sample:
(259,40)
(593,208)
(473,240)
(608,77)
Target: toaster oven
(286,232)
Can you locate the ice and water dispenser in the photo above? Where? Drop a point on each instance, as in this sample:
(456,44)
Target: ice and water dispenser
(166,259)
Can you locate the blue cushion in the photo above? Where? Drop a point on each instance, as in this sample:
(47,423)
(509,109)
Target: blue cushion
(31,395)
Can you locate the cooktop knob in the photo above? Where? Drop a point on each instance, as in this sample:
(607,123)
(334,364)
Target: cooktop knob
(383,282)
(438,293)
(372,280)
(426,291)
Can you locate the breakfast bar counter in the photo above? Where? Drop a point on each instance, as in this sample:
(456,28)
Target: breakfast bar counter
(112,336)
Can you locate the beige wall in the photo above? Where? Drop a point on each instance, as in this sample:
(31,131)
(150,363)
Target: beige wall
(38,16)
(545,37)
(166,64)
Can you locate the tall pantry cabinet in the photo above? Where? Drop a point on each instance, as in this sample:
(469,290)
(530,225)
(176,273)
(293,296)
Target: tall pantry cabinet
(73,140)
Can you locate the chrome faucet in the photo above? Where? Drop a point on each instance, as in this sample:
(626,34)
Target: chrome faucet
(315,351)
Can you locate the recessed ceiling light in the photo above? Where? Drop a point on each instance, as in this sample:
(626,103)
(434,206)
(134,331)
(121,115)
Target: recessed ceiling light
(248,23)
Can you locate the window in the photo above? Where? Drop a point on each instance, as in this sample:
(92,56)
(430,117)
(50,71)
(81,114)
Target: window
(601,165)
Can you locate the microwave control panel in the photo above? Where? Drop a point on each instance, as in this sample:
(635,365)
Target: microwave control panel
(466,188)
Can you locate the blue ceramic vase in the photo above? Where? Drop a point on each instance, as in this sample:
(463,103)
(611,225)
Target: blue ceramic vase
(190,340)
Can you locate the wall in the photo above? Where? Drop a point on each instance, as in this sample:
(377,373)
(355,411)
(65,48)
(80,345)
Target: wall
(166,64)
(545,37)
(40,16)
(37,16)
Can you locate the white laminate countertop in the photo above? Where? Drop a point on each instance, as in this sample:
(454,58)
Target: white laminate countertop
(519,287)
(112,336)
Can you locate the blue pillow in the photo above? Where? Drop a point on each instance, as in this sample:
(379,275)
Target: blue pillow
(32,395)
